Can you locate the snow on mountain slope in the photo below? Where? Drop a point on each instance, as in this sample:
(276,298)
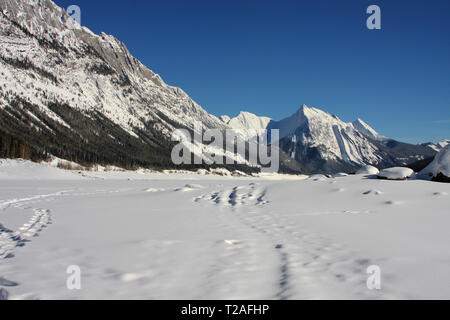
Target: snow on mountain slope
(367,130)
(437,146)
(322,143)
(330,139)
(85,70)
(443,144)
(225,119)
(246,121)
(432,146)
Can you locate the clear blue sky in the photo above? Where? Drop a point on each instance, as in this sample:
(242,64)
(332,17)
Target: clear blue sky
(269,57)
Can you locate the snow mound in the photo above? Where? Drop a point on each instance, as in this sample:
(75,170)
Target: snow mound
(440,164)
(340,175)
(366,170)
(396,173)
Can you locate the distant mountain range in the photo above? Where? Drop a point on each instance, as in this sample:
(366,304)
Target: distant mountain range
(70,93)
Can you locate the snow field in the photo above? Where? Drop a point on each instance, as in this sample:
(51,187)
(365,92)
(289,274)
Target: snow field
(184,236)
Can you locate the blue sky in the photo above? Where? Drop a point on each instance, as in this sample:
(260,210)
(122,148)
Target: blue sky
(270,57)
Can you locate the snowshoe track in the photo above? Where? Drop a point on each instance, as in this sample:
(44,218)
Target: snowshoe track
(308,263)
(10,240)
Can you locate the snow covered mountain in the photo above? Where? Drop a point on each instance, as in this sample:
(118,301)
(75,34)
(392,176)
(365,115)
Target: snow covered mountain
(246,120)
(71,93)
(86,71)
(321,142)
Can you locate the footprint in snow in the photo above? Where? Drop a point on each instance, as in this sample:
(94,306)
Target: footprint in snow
(393,202)
(373,192)
(189,187)
(3,294)
(7,283)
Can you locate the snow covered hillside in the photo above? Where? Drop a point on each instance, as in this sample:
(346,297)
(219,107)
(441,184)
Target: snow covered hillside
(184,236)
(85,70)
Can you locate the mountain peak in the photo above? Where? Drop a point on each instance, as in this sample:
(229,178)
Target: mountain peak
(367,130)
(303,108)
(246,120)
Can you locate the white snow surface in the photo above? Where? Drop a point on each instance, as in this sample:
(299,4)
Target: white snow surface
(141,235)
(440,164)
(396,173)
